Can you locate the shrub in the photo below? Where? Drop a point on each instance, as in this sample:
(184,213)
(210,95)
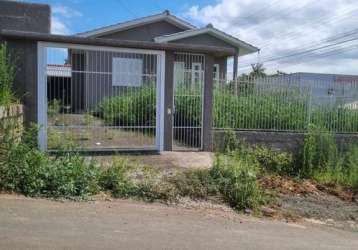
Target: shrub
(273,161)
(26,170)
(7,75)
(237,182)
(116,179)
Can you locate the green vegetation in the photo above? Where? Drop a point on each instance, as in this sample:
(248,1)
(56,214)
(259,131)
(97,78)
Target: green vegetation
(7,75)
(54,108)
(324,162)
(284,109)
(236,178)
(134,107)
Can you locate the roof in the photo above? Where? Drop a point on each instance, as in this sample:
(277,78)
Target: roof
(164,16)
(244,48)
(36,36)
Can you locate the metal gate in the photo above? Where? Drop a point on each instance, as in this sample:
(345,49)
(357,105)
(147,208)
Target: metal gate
(99,98)
(188,101)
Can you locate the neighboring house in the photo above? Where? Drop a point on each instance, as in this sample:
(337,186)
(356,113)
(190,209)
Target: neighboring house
(328,89)
(131,70)
(324,89)
(59,82)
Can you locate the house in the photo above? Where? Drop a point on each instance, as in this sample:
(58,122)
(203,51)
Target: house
(83,70)
(323,89)
(135,69)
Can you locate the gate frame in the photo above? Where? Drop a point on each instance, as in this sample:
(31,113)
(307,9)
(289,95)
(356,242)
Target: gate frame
(42,103)
(204,83)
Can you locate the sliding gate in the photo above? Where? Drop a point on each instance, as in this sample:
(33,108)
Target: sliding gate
(99,98)
(188,101)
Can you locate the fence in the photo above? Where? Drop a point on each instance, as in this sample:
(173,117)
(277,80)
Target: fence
(285,104)
(101,98)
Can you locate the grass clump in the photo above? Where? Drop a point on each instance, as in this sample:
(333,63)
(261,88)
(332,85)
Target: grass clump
(236,179)
(323,161)
(196,184)
(7,76)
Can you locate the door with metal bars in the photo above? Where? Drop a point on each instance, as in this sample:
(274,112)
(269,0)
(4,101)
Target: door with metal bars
(99,98)
(188,101)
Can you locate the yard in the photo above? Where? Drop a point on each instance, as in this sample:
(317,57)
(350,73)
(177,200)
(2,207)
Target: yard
(83,131)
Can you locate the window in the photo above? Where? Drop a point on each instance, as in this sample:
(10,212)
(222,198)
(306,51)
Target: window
(196,74)
(179,73)
(127,72)
(216,72)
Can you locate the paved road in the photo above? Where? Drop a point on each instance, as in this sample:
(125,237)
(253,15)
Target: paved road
(43,224)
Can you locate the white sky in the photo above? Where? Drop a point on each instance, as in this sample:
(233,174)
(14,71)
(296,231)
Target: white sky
(281,28)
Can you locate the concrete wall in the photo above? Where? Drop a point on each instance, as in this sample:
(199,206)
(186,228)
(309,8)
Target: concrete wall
(289,142)
(24,16)
(145,32)
(25,84)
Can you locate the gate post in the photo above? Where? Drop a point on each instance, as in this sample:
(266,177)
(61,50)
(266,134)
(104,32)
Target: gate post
(208,103)
(42,96)
(168,101)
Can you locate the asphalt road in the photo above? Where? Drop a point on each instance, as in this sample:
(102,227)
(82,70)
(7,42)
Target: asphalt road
(43,224)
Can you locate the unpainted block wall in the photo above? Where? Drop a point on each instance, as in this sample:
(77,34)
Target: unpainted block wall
(21,16)
(31,17)
(289,142)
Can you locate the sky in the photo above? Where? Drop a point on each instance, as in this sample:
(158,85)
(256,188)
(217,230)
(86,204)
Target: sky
(293,36)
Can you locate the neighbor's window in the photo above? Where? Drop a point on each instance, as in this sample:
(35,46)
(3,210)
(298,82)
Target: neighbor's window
(127,72)
(216,72)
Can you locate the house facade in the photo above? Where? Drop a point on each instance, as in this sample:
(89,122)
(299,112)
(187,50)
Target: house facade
(141,63)
(130,69)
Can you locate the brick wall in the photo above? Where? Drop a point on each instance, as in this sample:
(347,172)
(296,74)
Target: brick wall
(11,121)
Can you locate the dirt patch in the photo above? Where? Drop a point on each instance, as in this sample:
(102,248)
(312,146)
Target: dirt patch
(166,160)
(332,206)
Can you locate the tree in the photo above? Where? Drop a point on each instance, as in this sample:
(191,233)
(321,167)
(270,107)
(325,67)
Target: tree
(258,70)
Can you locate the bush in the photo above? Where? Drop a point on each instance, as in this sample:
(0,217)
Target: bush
(237,181)
(26,170)
(116,179)
(273,161)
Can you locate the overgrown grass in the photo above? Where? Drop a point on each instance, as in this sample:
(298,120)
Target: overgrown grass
(272,109)
(236,179)
(7,76)
(323,161)
(132,108)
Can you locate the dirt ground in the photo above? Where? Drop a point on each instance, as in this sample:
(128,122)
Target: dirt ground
(311,201)
(295,200)
(166,160)
(43,224)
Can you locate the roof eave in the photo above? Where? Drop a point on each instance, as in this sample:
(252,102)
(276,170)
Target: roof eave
(135,23)
(243,47)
